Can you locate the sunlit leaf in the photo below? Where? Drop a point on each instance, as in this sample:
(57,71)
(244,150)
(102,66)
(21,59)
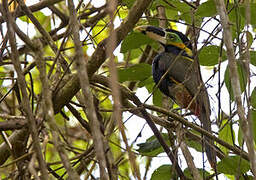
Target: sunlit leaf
(100,31)
(123,12)
(44,20)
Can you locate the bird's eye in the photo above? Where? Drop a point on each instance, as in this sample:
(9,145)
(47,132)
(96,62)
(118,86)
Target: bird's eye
(171,36)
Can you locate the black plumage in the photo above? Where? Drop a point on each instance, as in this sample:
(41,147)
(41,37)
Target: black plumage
(182,81)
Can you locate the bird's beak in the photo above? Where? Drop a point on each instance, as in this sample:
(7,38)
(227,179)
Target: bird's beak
(141,29)
(158,34)
(155,33)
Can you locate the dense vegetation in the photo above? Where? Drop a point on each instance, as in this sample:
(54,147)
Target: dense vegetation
(66,97)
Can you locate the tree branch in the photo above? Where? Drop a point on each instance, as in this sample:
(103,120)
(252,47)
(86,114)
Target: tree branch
(22,86)
(247,130)
(35,7)
(87,95)
(175,117)
(99,56)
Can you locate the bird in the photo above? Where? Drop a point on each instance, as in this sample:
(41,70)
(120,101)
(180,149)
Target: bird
(179,77)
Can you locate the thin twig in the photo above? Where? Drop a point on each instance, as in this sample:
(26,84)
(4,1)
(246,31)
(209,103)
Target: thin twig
(49,113)
(87,95)
(22,85)
(188,157)
(99,55)
(175,117)
(245,124)
(35,7)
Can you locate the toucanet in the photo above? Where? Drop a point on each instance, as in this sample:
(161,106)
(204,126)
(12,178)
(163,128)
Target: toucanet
(180,78)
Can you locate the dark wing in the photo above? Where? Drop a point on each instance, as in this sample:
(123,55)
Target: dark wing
(182,83)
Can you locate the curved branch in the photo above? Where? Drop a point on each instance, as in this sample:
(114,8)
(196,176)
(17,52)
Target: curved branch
(33,8)
(99,56)
(175,117)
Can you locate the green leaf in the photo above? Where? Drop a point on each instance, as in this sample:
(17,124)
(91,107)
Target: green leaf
(226,135)
(242,79)
(152,147)
(232,165)
(252,12)
(180,6)
(137,72)
(25,19)
(175,5)
(207,9)
(123,12)
(157,98)
(128,3)
(100,32)
(236,18)
(148,85)
(157,95)
(209,55)
(202,172)
(186,16)
(194,144)
(253,118)
(240,136)
(250,38)
(115,140)
(132,54)
(147,82)
(134,40)
(157,3)
(253,98)
(171,14)
(44,20)
(2,75)
(253,57)
(164,172)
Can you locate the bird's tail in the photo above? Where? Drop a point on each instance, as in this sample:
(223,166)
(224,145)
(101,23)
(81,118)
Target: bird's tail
(208,143)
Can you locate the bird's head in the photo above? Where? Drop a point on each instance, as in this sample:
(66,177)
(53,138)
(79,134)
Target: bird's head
(167,37)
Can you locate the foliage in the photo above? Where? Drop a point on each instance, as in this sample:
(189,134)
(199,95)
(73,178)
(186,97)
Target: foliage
(73,124)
